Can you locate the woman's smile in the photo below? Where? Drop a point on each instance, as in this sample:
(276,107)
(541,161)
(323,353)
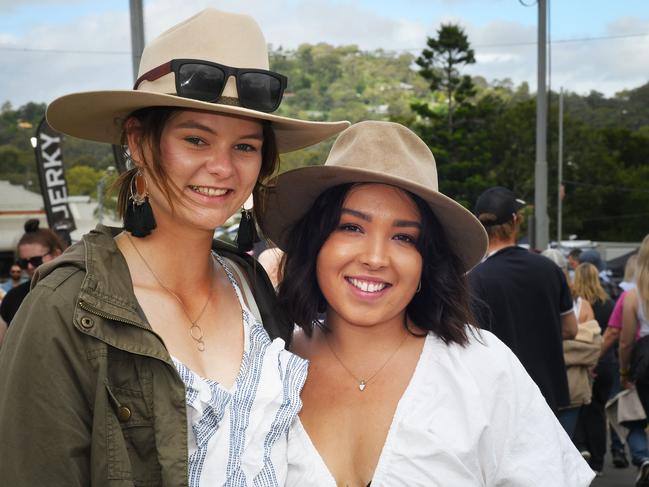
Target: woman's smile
(368,287)
(209,191)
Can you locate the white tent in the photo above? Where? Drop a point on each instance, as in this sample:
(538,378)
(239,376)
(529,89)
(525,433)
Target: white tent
(17,205)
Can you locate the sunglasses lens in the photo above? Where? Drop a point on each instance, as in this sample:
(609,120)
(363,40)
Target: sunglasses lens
(200,82)
(34,261)
(259,91)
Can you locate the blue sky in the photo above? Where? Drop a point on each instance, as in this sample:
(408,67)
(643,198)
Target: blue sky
(498,29)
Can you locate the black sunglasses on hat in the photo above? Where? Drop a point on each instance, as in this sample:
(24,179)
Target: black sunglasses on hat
(258,89)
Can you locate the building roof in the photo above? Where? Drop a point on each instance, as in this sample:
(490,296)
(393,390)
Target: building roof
(17,198)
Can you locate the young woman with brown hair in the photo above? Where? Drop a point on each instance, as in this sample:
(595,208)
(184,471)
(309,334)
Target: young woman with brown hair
(143,356)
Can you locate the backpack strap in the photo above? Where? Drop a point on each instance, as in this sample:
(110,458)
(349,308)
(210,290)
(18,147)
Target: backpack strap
(259,293)
(245,288)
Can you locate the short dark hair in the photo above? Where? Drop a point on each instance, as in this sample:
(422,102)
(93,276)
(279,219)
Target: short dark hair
(575,253)
(441,305)
(152,122)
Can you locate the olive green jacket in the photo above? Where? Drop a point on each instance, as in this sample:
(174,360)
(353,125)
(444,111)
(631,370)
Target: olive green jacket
(88,392)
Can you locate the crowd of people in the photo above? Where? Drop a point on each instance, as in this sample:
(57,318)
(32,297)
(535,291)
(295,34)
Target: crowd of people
(400,340)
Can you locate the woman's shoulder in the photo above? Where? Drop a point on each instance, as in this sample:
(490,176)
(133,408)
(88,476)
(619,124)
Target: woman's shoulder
(483,349)
(483,366)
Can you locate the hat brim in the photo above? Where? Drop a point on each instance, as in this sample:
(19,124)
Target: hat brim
(292,193)
(99,115)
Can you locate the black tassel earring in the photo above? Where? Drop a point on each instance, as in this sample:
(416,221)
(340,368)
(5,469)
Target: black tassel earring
(139,219)
(247,234)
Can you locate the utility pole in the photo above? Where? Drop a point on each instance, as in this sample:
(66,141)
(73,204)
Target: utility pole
(560,176)
(541,168)
(137,34)
(137,46)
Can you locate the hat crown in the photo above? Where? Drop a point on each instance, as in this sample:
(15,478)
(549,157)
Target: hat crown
(210,35)
(386,148)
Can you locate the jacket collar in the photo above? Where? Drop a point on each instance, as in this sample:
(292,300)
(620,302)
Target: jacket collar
(107,288)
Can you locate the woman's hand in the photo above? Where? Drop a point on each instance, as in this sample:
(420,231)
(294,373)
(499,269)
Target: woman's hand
(626,383)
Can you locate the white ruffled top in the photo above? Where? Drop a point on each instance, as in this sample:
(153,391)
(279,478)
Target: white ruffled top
(238,436)
(470,416)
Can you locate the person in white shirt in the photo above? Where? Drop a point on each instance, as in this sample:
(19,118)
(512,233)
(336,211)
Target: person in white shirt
(401,391)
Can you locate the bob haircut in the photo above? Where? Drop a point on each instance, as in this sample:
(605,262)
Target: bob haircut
(441,305)
(152,121)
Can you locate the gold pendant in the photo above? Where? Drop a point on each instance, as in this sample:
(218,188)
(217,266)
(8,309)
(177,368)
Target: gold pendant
(361,385)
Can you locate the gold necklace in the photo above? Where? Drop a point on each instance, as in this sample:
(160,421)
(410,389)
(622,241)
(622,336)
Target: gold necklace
(195,331)
(362,383)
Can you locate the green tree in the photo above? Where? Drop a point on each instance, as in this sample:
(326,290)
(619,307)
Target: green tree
(439,64)
(82,180)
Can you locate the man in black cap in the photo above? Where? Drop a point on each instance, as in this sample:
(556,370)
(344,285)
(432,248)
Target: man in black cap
(523,298)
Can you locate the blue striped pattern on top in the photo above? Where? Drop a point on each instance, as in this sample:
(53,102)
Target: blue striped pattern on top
(238,437)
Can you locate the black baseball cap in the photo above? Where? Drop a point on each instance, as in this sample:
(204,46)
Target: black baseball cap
(500,202)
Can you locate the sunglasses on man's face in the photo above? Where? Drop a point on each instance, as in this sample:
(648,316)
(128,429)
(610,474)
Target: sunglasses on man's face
(258,89)
(34,261)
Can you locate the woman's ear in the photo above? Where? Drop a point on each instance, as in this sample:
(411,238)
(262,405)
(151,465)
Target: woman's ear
(133,129)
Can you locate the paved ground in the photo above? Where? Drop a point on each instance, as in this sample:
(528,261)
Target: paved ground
(615,477)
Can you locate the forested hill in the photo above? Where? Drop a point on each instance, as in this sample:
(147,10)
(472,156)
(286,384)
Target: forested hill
(606,139)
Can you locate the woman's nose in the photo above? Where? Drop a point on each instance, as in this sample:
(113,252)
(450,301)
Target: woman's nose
(220,163)
(374,254)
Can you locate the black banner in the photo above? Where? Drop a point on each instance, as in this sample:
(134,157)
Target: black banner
(52,177)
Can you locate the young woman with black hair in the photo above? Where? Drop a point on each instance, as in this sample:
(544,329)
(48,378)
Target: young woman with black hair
(401,390)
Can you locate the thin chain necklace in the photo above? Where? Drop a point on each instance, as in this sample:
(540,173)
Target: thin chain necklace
(362,383)
(195,331)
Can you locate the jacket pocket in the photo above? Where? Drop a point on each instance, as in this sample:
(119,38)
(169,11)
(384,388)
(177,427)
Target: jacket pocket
(130,426)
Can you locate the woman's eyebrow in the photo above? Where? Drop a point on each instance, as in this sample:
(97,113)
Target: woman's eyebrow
(368,218)
(191,124)
(406,223)
(356,213)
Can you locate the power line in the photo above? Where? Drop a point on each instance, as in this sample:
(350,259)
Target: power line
(501,44)
(63,51)
(602,186)
(555,41)
(615,217)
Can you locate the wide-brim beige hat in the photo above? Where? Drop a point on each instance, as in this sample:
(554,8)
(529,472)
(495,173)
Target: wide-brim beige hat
(373,152)
(211,35)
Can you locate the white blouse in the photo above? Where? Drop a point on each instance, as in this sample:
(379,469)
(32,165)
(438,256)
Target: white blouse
(238,436)
(471,416)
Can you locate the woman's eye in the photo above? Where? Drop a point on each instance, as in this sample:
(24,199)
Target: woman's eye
(349,227)
(195,140)
(245,148)
(406,238)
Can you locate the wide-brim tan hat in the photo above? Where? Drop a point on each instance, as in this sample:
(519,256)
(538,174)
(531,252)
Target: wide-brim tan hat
(373,152)
(211,35)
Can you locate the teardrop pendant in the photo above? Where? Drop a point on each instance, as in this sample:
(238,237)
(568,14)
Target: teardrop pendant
(361,385)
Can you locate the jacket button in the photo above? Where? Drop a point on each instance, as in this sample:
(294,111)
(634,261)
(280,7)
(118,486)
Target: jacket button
(123,414)
(87,322)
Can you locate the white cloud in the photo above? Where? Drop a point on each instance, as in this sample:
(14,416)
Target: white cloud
(606,66)
(8,6)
